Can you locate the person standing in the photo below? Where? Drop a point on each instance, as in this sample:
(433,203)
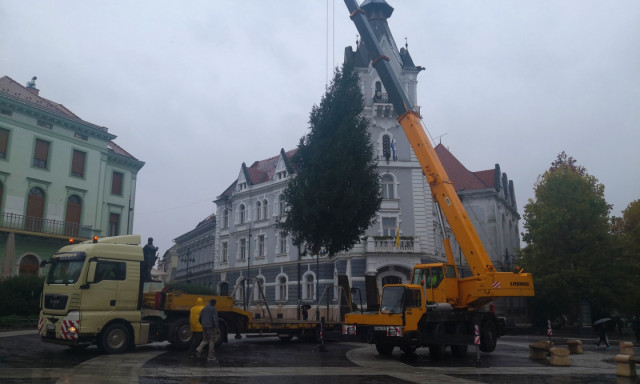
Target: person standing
(601,331)
(209,320)
(635,324)
(195,326)
(150,256)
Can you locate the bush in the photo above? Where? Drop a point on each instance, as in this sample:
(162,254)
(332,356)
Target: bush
(20,295)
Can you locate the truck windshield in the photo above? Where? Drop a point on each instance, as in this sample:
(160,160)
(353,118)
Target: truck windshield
(392,300)
(65,269)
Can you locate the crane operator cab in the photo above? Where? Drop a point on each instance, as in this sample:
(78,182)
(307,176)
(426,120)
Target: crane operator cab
(439,281)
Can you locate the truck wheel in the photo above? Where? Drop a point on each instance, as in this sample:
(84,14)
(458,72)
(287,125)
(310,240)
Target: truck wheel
(115,339)
(180,333)
(459,350)
(384,349)
(488,336)
(436,351)
(408,349)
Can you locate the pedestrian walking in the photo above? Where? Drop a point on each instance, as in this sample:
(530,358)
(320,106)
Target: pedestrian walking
(195,326)
(601,330)
(209,320)
(635,324)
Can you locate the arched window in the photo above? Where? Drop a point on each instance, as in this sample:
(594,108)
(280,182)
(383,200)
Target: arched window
(308,286)
(35,209)
(387,186)
(386,147)
(259,210)
(224,288)
(240,289)
(265,209)
(73,214)
(378,94)
(242,214)
(281,288)
(258,285)
(29,265)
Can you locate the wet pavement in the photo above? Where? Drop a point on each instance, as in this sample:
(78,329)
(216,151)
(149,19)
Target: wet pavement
(25,359)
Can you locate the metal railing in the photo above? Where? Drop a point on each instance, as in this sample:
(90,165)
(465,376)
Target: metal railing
(388,245)
(46,226)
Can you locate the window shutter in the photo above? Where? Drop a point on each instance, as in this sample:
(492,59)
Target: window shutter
(41,154)
(116,183)
(4,142)
(77,163)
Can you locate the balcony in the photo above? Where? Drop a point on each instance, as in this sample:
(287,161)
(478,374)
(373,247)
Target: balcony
(382,107)
(37,225)
(387,244)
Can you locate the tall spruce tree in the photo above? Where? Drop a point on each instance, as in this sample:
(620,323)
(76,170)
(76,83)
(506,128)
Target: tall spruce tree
(336,192)
(568,242)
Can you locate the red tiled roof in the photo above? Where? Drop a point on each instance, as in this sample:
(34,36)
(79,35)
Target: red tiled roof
(263,170)
(460,176)
(16,91)
(208,219)
(259,172)
(119,150)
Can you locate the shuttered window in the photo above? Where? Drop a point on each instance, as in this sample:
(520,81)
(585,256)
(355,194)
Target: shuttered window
(116,183)
(77,163)
(41,154)
(4,142)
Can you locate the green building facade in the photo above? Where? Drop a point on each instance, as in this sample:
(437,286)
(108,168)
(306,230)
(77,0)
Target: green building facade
(60,177)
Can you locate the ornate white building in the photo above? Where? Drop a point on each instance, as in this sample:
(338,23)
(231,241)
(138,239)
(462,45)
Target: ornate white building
(250,247)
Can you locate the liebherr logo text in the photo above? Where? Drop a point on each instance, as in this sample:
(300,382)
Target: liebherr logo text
(519,284)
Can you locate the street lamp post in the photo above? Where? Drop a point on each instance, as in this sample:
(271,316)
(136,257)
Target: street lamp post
(248,291)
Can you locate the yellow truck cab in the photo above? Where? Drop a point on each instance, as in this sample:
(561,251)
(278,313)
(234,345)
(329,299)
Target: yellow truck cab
(94,293)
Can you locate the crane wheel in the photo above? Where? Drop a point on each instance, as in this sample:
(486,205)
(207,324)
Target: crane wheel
(384,349)
(488,335)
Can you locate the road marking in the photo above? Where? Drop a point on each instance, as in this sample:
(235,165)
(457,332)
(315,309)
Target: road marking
(19,333)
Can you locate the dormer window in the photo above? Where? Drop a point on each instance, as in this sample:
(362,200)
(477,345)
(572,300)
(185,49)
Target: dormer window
(242,186)
(281,175)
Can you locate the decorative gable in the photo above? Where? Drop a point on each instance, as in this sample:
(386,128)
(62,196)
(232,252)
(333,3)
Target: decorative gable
(242,184)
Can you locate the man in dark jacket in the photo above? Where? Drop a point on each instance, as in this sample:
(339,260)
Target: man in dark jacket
(209,320)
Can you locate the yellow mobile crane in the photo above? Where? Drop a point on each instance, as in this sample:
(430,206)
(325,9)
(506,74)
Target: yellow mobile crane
(438,308)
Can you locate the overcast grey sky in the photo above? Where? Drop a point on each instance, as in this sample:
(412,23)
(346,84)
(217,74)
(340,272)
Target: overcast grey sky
(195,88)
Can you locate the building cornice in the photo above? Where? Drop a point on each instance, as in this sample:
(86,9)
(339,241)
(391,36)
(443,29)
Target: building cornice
(54,117)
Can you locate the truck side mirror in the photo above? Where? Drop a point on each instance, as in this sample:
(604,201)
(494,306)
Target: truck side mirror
(43,263)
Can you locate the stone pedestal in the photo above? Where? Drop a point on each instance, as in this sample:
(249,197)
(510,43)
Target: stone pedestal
(575,347)
(626,366)
(559,356)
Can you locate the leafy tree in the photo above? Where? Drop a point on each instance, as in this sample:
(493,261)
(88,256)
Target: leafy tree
(568,242)
(336,192)
(626,232)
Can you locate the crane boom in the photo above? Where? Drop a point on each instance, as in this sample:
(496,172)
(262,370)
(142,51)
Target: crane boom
(442,188)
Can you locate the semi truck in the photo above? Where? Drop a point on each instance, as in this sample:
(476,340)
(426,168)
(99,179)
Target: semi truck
(438,308)
(95,293)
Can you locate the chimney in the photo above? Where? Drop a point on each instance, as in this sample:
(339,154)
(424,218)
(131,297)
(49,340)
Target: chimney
(31,86)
